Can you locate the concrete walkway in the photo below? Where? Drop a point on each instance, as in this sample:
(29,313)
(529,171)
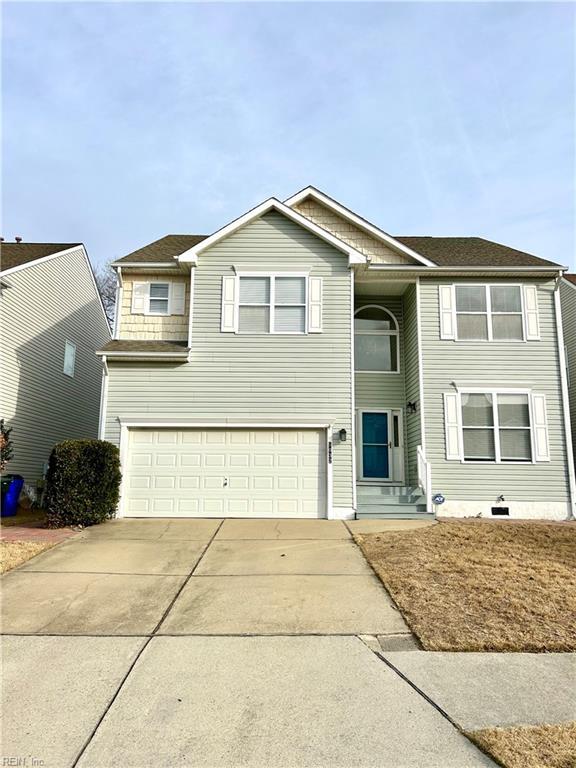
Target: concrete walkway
(155,643)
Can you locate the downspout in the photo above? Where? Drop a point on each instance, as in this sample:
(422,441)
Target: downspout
(103,399)
(565,398)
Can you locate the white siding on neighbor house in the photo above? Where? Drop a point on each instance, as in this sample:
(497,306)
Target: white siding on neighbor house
(44,306)
(532,488)
(254,378)
(568,300)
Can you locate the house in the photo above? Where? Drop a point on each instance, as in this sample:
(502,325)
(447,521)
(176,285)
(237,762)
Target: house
(301,362)
(52,324)
(568,302)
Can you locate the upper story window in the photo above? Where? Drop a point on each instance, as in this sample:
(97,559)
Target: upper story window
(496,427)
(69,358)
(376,342)
(489,312)
(159,299)
(272,304)
(473,312)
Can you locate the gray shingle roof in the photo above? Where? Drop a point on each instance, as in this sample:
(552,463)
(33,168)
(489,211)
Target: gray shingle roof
(16,254)
(443,251)
(164,249)
(471,252)
(570,277)
(129,345)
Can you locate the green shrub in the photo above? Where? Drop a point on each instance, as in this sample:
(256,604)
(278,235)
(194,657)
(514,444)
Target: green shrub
(83,483)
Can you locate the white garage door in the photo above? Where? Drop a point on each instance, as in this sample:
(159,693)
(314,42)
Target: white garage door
(226,473)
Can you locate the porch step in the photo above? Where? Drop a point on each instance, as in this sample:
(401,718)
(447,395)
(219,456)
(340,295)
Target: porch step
(393,511)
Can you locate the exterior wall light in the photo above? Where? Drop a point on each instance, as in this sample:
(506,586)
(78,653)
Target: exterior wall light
(411,407)
(342,435)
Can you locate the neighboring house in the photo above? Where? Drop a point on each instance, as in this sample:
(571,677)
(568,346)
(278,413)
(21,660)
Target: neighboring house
(301,362)
(568,300)
(52,324)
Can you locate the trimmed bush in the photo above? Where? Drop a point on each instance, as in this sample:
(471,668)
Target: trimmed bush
(83,483)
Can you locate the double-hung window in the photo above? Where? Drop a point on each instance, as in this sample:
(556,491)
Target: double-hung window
(496,427)
(159,299)
(489,313)
(272,304)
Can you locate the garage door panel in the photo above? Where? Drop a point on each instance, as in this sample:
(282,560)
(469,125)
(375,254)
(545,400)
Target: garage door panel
(230,473)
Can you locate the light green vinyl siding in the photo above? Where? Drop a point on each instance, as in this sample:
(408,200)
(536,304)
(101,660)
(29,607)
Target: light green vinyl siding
(412,387)
(45,305)
(260,377)
(568,299)
(533,364)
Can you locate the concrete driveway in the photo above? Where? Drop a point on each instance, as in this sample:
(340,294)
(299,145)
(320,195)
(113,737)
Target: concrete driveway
(207,643)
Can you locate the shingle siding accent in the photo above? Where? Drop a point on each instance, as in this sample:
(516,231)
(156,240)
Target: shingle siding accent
(351,234)
(42,404)
(264,377)
(568,301)
(152,327)
(533,364)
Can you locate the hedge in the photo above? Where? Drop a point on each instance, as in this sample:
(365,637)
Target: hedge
(83,483)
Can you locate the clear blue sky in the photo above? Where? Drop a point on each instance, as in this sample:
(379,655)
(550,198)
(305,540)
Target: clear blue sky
(125,122)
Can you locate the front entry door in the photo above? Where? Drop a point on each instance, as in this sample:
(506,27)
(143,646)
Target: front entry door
(375,444)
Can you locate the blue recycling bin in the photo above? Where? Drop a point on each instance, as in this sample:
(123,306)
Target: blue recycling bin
(11,486)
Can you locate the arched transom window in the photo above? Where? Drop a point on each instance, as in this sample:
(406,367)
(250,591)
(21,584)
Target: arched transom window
(376,346)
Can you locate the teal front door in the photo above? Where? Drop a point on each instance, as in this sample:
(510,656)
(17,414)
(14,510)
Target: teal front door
(375,445)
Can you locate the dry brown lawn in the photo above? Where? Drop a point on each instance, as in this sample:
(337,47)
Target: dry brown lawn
(482,586)
(531,746)
(13,553)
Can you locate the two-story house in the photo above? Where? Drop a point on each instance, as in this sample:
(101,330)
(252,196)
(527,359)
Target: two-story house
(301,362)
(52,322)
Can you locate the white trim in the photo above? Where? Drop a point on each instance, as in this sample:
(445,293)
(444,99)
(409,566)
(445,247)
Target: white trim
(150,355)
(217,423)
(127,424)
(118,305)
(347,214)
(146,265)
(353,425)
(103,399)
(565,398)
(191,255)
(420,369)
(191,305)
(329,471)
(395,332)
(342,513)
(553,268)
(361,477)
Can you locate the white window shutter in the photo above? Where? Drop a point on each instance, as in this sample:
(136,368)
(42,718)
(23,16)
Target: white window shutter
(540,428)
(531,313)
(314,305)
(229,301)
(452,426)
(447,313)
(177,298)
(140,293)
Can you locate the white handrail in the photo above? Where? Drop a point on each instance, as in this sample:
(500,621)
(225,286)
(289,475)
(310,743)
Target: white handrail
(425,477)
